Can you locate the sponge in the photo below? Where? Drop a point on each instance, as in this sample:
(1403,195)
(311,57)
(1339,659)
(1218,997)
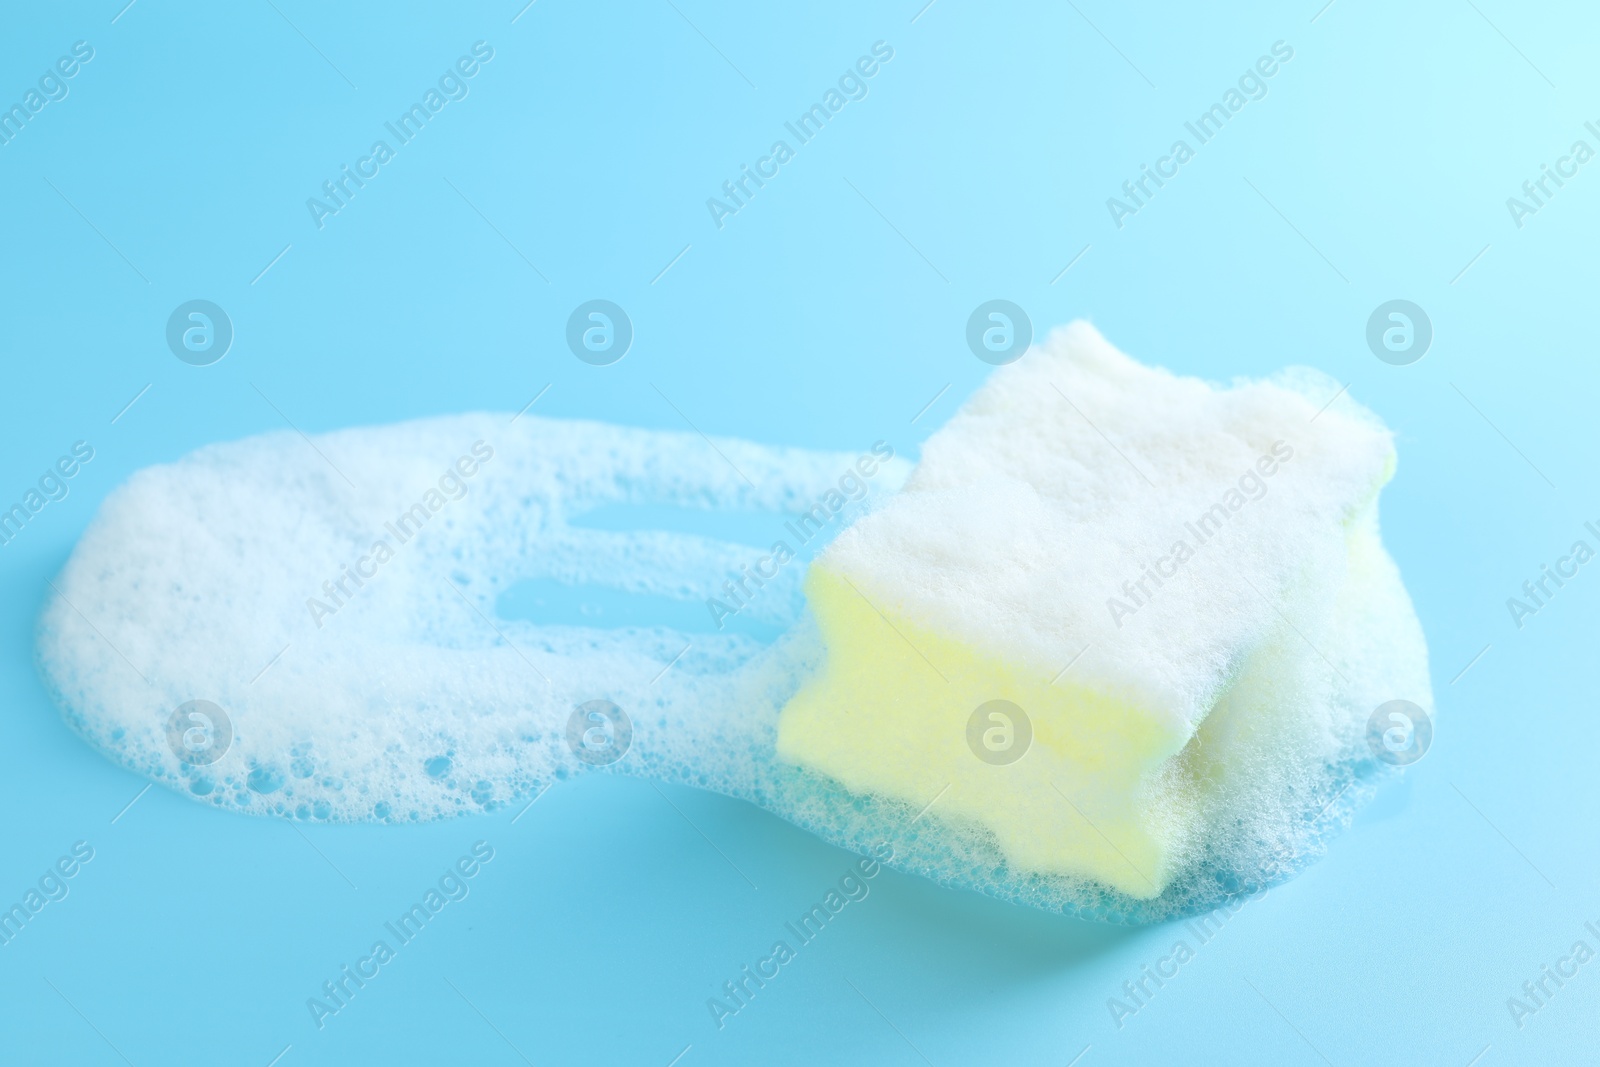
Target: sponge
(1106,615)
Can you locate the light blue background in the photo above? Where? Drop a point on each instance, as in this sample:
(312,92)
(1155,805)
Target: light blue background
(827,313)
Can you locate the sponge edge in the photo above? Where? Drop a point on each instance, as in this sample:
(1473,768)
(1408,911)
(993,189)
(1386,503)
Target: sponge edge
(1191,734)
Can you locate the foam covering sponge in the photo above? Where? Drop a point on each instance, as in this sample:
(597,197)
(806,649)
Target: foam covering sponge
(1109,648)
(1159,579)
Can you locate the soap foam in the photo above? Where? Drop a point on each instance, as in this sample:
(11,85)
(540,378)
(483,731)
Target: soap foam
(1027,515)
(1163,573)
(226,577)
(413,700)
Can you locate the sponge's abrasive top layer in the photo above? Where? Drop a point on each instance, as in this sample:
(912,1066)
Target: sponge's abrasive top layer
(1121,555)
(317,628)
(1072,473)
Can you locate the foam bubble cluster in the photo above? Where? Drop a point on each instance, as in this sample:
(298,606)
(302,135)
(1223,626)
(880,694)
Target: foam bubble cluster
(1148,583)
(318,629)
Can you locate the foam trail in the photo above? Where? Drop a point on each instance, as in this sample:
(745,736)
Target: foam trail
(227,577)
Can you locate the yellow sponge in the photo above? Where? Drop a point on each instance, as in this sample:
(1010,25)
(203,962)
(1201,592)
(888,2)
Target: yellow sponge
(1091,558)
(881,718)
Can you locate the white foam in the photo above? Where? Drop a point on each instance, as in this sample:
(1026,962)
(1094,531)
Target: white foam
(205,579)
(1031,524)
(414,700)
